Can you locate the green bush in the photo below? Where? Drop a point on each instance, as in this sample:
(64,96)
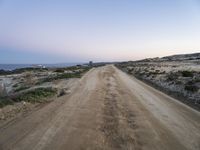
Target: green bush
(197,80)
(130,71)
(64,75)
(187,74)
(15,85)
(35,95)
(60,70)
(172,76)
(21,88)
(192,88)
(61,76)
(5,101)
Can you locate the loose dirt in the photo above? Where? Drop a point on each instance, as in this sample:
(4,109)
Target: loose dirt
(106,109)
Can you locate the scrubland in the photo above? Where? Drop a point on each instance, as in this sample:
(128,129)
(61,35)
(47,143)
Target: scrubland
(22,89)
(177,75)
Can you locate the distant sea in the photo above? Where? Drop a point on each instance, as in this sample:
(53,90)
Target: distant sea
(18,66)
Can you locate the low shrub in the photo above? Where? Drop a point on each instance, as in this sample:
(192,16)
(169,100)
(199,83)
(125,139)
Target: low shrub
(5,101)
(60,70)
(35,95)
(196,80)
(15,85)
(172,76)
(63,76)
(130,71)
(187,74)
(191,88)
(21,88)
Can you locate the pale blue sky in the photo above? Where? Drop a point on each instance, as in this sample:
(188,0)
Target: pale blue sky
(52,31)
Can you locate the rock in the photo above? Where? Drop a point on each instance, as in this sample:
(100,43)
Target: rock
(24,103)
(61,92)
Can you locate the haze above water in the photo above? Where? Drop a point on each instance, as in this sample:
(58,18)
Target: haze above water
(40,32)
(18,66)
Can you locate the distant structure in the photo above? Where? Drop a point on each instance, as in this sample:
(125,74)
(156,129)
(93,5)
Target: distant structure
(38,66)
(90,63)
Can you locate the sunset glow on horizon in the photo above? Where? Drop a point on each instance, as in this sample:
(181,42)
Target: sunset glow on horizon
(78,31)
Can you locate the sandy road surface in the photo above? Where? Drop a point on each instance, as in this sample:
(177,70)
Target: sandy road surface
(106,109)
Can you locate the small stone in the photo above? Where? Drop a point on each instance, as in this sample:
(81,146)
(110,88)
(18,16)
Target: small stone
(24,103)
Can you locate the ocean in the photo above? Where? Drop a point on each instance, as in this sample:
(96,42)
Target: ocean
(18,66)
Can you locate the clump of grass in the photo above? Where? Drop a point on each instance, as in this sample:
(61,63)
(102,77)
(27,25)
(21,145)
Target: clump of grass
(33,96)
(36,95)
(172,76)
(191,88)
(196,80)
(60,70)
(21,88)
(60,76)
(130,71)
(15,85)
(5,101)
(63,76)
(187,74)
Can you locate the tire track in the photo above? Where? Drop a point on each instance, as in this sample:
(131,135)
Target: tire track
(117,119)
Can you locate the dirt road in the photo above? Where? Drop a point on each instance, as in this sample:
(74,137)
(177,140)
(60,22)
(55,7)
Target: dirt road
(106,109)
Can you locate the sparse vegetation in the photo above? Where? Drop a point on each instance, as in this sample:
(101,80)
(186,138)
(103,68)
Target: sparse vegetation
(59,76)
(22,88)
(76,74)
(172,76)
(16,85)
(5,101)
(60,70)
(191,88)
(21,70)
(187,74)
(179,78)
(26,79)
(35,95)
